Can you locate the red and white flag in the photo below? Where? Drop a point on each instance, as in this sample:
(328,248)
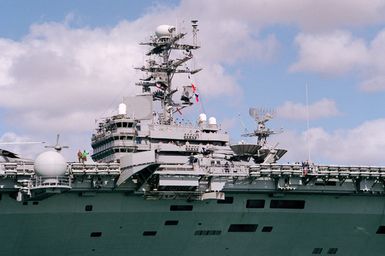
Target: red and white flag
(193,88)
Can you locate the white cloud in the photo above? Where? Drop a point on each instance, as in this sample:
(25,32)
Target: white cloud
(11,137)
(62,70)
(363,145)
(229,41)
(298,111)
(340,53)
(375,79)
(308,15)
(7,57)
(21,143)
(373,84)
(333,53)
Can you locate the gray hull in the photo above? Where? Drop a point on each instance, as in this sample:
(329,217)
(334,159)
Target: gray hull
(120,224)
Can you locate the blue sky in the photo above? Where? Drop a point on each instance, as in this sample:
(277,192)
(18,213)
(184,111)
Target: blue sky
(18,15)
(64,64)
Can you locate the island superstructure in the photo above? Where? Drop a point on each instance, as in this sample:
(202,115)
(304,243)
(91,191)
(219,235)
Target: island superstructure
(160,186)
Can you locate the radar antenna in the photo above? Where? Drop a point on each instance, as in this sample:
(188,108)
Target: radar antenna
(57,146)
(261,116)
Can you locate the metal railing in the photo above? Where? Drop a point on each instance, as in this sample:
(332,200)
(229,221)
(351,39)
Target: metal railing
(94,169)
(317,170)
(51,182)
(16,169)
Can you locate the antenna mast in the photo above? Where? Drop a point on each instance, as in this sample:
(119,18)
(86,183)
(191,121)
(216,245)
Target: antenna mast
(161,70)
(194,24)
(307,122)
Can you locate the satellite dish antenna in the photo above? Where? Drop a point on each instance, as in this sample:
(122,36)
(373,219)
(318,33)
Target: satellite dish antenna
(57,146)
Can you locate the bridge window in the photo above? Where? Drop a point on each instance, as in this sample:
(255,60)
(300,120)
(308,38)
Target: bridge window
(171,222)
(207,232)
(242,228)
(227,200)
(149,233)
(88,208)
(267,229)
(181,207)
(317,251)
(332,250)
(255,203)
(381,230)
(96,234)
(287,204)
(326,183)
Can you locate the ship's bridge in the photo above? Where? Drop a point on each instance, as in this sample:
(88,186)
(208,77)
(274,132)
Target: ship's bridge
(117,134)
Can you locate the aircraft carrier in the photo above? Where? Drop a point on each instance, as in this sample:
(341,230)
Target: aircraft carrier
(162,186)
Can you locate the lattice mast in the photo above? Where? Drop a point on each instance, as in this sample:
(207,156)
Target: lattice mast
(161,70)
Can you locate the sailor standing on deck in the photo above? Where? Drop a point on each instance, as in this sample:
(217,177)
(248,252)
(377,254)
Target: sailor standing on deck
(80,156)
(85,154)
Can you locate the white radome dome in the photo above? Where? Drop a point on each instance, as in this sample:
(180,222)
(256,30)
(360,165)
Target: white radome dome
(122,109)
(212,121)
(163,31)
(202,118)
(50,163)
